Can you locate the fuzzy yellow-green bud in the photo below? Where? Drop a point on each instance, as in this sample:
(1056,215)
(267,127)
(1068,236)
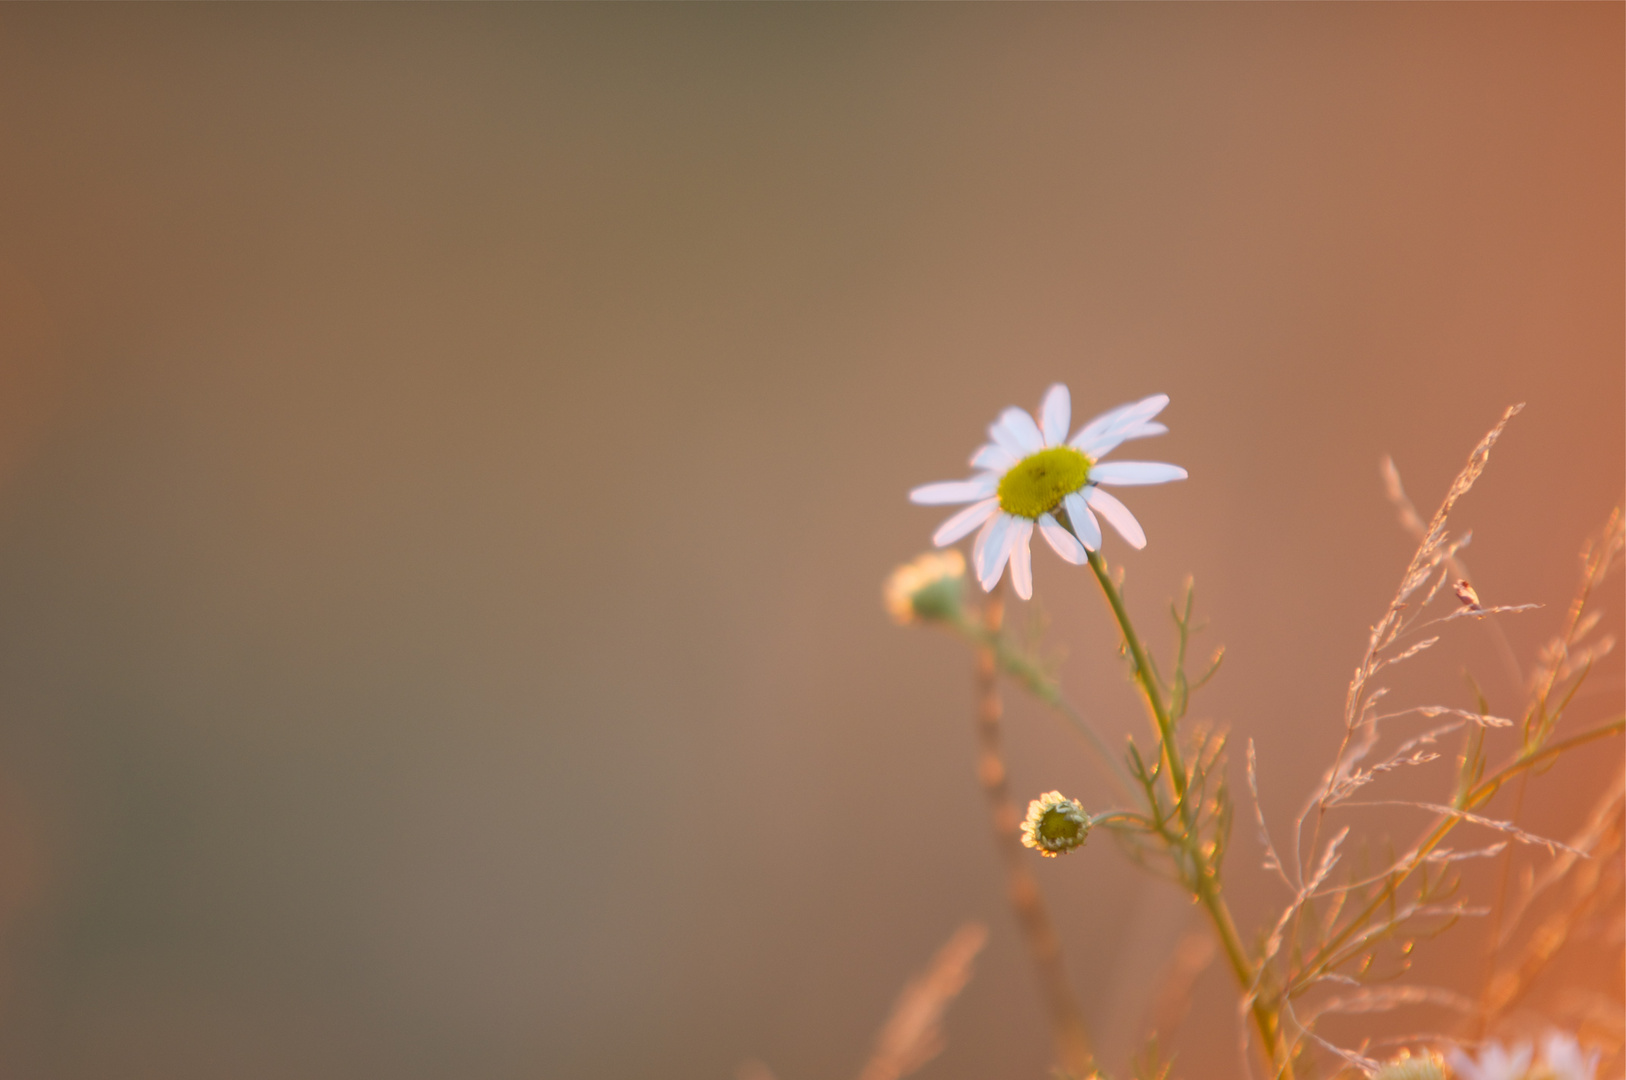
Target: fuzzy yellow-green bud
(1055,825)
(929,589)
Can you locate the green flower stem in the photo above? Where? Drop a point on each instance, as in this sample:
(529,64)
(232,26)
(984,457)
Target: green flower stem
(1144,676)
(1204,882)
(1537,754)
(1113,817)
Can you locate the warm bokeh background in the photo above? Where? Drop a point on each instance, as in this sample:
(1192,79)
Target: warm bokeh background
(450,456)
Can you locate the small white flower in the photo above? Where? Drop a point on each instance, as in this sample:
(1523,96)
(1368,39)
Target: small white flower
(1564,1060)
(1561,1059)
(1031,472)
(1494,1063)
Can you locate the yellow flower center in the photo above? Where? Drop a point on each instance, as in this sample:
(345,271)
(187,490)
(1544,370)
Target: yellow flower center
(1036,485)
(1059,825)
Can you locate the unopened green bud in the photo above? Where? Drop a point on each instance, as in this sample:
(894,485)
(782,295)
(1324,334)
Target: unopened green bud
(1055,824)
(929,589)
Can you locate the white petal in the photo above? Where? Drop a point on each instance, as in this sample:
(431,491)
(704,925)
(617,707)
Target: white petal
(1104,424)
(1103,445)
(1463,1065)
(982,541)
(1123,416)
(1135,472)
(1022,559)
(1063,542)
(955,491)
(1098,447)
(1564,1059)
(993,456)
(1006,440)
(1019,424)
(1085,527)
(963,522)
(996,548)
(1055,413)
(1117,515)
(1099,423)
(1145,409)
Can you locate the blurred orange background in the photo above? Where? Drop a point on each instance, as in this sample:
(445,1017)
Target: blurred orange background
(451,454)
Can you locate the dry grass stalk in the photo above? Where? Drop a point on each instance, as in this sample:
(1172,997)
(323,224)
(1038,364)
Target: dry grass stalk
(1317,946)
(1072,1041)
(1566,659)
(1369,999)
(1431,552)
(913,1034)
(1595,880)
(1456,568)
(1191,958)
(1599,837)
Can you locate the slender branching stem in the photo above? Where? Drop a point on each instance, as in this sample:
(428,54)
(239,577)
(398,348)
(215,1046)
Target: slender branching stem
(1203,877)
(1066,1017)
(1018,665)
(1504,874)
(1144,676)
(1537,755)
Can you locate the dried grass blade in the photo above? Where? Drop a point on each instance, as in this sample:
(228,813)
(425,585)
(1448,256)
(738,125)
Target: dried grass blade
(1371,999)
(1396,492)
(1426,643)
(913,1034)
(1603,821)
(1365,1064)
(1490,823)
(1273,861)
(1329,859)
(1448,855)
(1431,711)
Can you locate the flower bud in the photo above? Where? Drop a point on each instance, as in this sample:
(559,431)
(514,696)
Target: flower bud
(929,589)
(1055,824)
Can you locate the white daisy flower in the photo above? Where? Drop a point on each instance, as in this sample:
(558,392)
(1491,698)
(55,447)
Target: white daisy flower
(1031,473)
(1565,1059)
(1494,1062)
(1561,1059)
